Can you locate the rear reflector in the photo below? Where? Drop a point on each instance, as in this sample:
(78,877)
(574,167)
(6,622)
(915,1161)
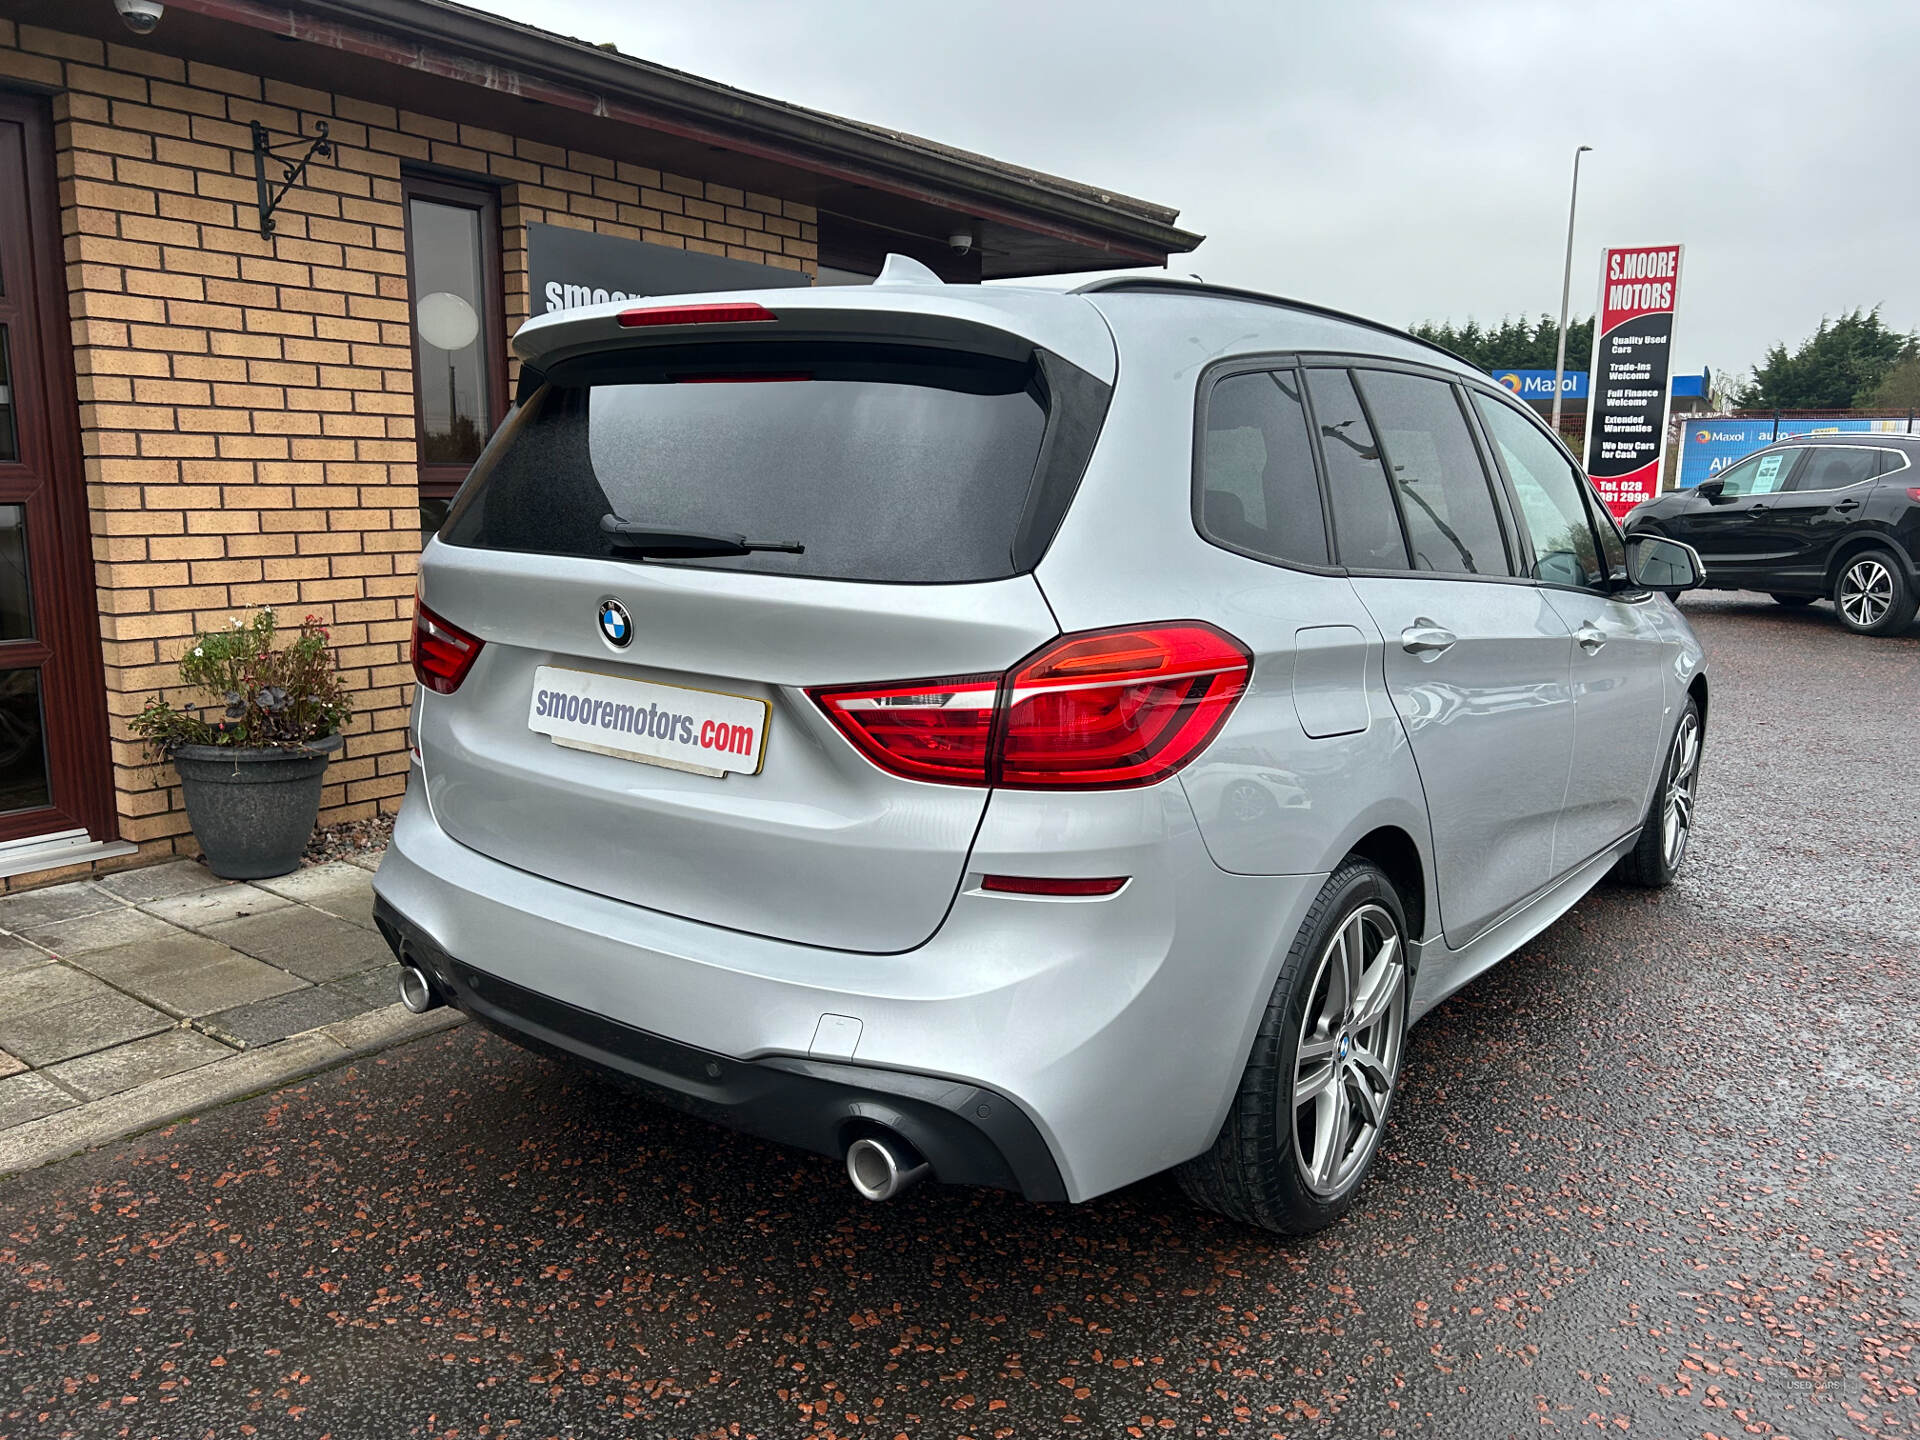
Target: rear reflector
(442,653)
(1104,709)
(1045,885)
(1913,492)
(695,314)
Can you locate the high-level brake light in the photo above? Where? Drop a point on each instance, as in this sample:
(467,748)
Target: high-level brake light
(725,311)
(1104,709)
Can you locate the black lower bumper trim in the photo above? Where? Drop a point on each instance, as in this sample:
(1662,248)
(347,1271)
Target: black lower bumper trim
(969,1135)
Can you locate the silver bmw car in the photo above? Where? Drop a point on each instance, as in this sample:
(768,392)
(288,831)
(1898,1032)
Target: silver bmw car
(1023,738)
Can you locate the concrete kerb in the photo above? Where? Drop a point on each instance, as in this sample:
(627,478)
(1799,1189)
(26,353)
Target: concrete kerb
(233,1077)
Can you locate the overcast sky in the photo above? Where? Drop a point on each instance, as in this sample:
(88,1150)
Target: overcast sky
(1408,161)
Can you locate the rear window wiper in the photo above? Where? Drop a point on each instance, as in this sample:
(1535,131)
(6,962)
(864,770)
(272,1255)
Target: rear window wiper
(637,538)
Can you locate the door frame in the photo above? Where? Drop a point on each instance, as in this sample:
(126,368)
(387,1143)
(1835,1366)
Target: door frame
(65,601)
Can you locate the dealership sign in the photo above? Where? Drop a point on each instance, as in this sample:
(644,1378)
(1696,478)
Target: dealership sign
(570,268)
(1538,384)
(1709,446)
(1632,358)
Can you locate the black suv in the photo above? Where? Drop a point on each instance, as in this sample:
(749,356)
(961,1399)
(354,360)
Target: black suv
(1816,515)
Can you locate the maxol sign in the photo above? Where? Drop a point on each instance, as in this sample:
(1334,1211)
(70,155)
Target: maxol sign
(1538,384)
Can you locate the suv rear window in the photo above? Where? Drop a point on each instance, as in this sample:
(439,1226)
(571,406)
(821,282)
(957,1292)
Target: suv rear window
(887,463)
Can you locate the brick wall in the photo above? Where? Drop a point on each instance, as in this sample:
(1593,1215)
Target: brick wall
(246,404)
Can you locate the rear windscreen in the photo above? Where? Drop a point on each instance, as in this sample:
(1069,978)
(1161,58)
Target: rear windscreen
(884,463)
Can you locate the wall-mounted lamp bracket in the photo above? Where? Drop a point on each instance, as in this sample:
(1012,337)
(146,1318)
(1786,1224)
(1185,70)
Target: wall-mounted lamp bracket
(265,152)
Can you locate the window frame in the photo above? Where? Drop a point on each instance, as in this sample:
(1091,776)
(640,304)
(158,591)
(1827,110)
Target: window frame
(1500,396)
(1213,375)
(1879,473)
(1489,476)
(441,480)
(1505,505)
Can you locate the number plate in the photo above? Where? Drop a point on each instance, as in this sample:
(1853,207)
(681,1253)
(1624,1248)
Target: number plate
(703,731)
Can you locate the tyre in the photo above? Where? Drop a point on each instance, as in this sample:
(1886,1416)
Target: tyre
(1662,848)
(1872,595)
(1794,602)
(1307,1118)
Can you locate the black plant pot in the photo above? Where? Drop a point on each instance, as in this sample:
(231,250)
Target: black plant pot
(253,810)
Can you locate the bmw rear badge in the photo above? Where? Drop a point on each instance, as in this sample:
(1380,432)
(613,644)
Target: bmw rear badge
(616,624)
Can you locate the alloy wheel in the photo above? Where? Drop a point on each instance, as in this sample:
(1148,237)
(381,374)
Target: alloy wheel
(1676,821)
(1348,1059)
(1866,592)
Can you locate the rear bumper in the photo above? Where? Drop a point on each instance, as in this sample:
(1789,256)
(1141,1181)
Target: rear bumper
(1114,1029)
(970,1135)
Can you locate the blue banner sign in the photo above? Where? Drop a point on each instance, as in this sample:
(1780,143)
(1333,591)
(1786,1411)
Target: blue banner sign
(1538,384)
(1709,446)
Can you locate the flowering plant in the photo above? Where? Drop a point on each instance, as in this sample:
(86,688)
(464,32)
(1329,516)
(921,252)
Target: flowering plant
(262,694)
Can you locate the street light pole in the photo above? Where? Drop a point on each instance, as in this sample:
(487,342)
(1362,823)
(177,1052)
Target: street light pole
(1566,292)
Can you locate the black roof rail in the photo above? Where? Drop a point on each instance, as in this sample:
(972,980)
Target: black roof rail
(1154,285)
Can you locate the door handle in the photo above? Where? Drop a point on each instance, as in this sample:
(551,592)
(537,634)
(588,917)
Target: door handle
(1848,505)
(1591,637)
(1426,639)
(1758,509)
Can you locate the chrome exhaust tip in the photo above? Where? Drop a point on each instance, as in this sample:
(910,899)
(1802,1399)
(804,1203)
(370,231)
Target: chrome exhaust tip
(881,1166)
(417,992)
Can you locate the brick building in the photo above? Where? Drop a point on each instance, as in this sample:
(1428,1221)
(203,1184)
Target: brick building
(198,418)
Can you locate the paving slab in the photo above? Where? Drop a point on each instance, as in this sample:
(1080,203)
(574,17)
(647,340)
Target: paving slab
(372,989)
(122,926)
(55,903)
(161,882)
(140,1062)
(55,1012)
(11,1064)
(339,888)
(16,954)
(227,901)
(188,974)
(24,1098)
(310,943)
(265,1021)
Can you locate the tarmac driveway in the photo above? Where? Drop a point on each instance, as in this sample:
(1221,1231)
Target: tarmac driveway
(1659,1175)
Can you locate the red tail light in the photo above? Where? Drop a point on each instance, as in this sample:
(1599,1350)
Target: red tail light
(1107,709)
(695,314)
(442,653)
(925,730)
(1913,492)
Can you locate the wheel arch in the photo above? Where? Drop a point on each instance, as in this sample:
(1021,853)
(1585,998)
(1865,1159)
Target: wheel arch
(1697,692)
(1852,546)
(1398,856)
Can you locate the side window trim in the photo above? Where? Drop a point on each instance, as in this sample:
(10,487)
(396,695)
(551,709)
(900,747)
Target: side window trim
(1259,365)
(1500,397)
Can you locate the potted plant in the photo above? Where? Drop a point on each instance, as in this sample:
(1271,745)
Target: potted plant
(251,760)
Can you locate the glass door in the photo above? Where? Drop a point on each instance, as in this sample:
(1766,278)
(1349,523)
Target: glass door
(54,775)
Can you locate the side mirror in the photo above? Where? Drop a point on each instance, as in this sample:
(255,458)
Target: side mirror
(1711,489)
(1657,563)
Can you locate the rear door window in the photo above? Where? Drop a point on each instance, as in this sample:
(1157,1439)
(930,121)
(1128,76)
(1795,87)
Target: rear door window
(1445,498)
(1259,493)
(1835,467)
(1366,528)
(886,463)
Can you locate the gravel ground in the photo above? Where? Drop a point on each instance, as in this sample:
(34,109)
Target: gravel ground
(356,839)
(1656,1175)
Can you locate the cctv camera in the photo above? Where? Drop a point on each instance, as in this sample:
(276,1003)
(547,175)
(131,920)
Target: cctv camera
(960,242)
(142,16)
